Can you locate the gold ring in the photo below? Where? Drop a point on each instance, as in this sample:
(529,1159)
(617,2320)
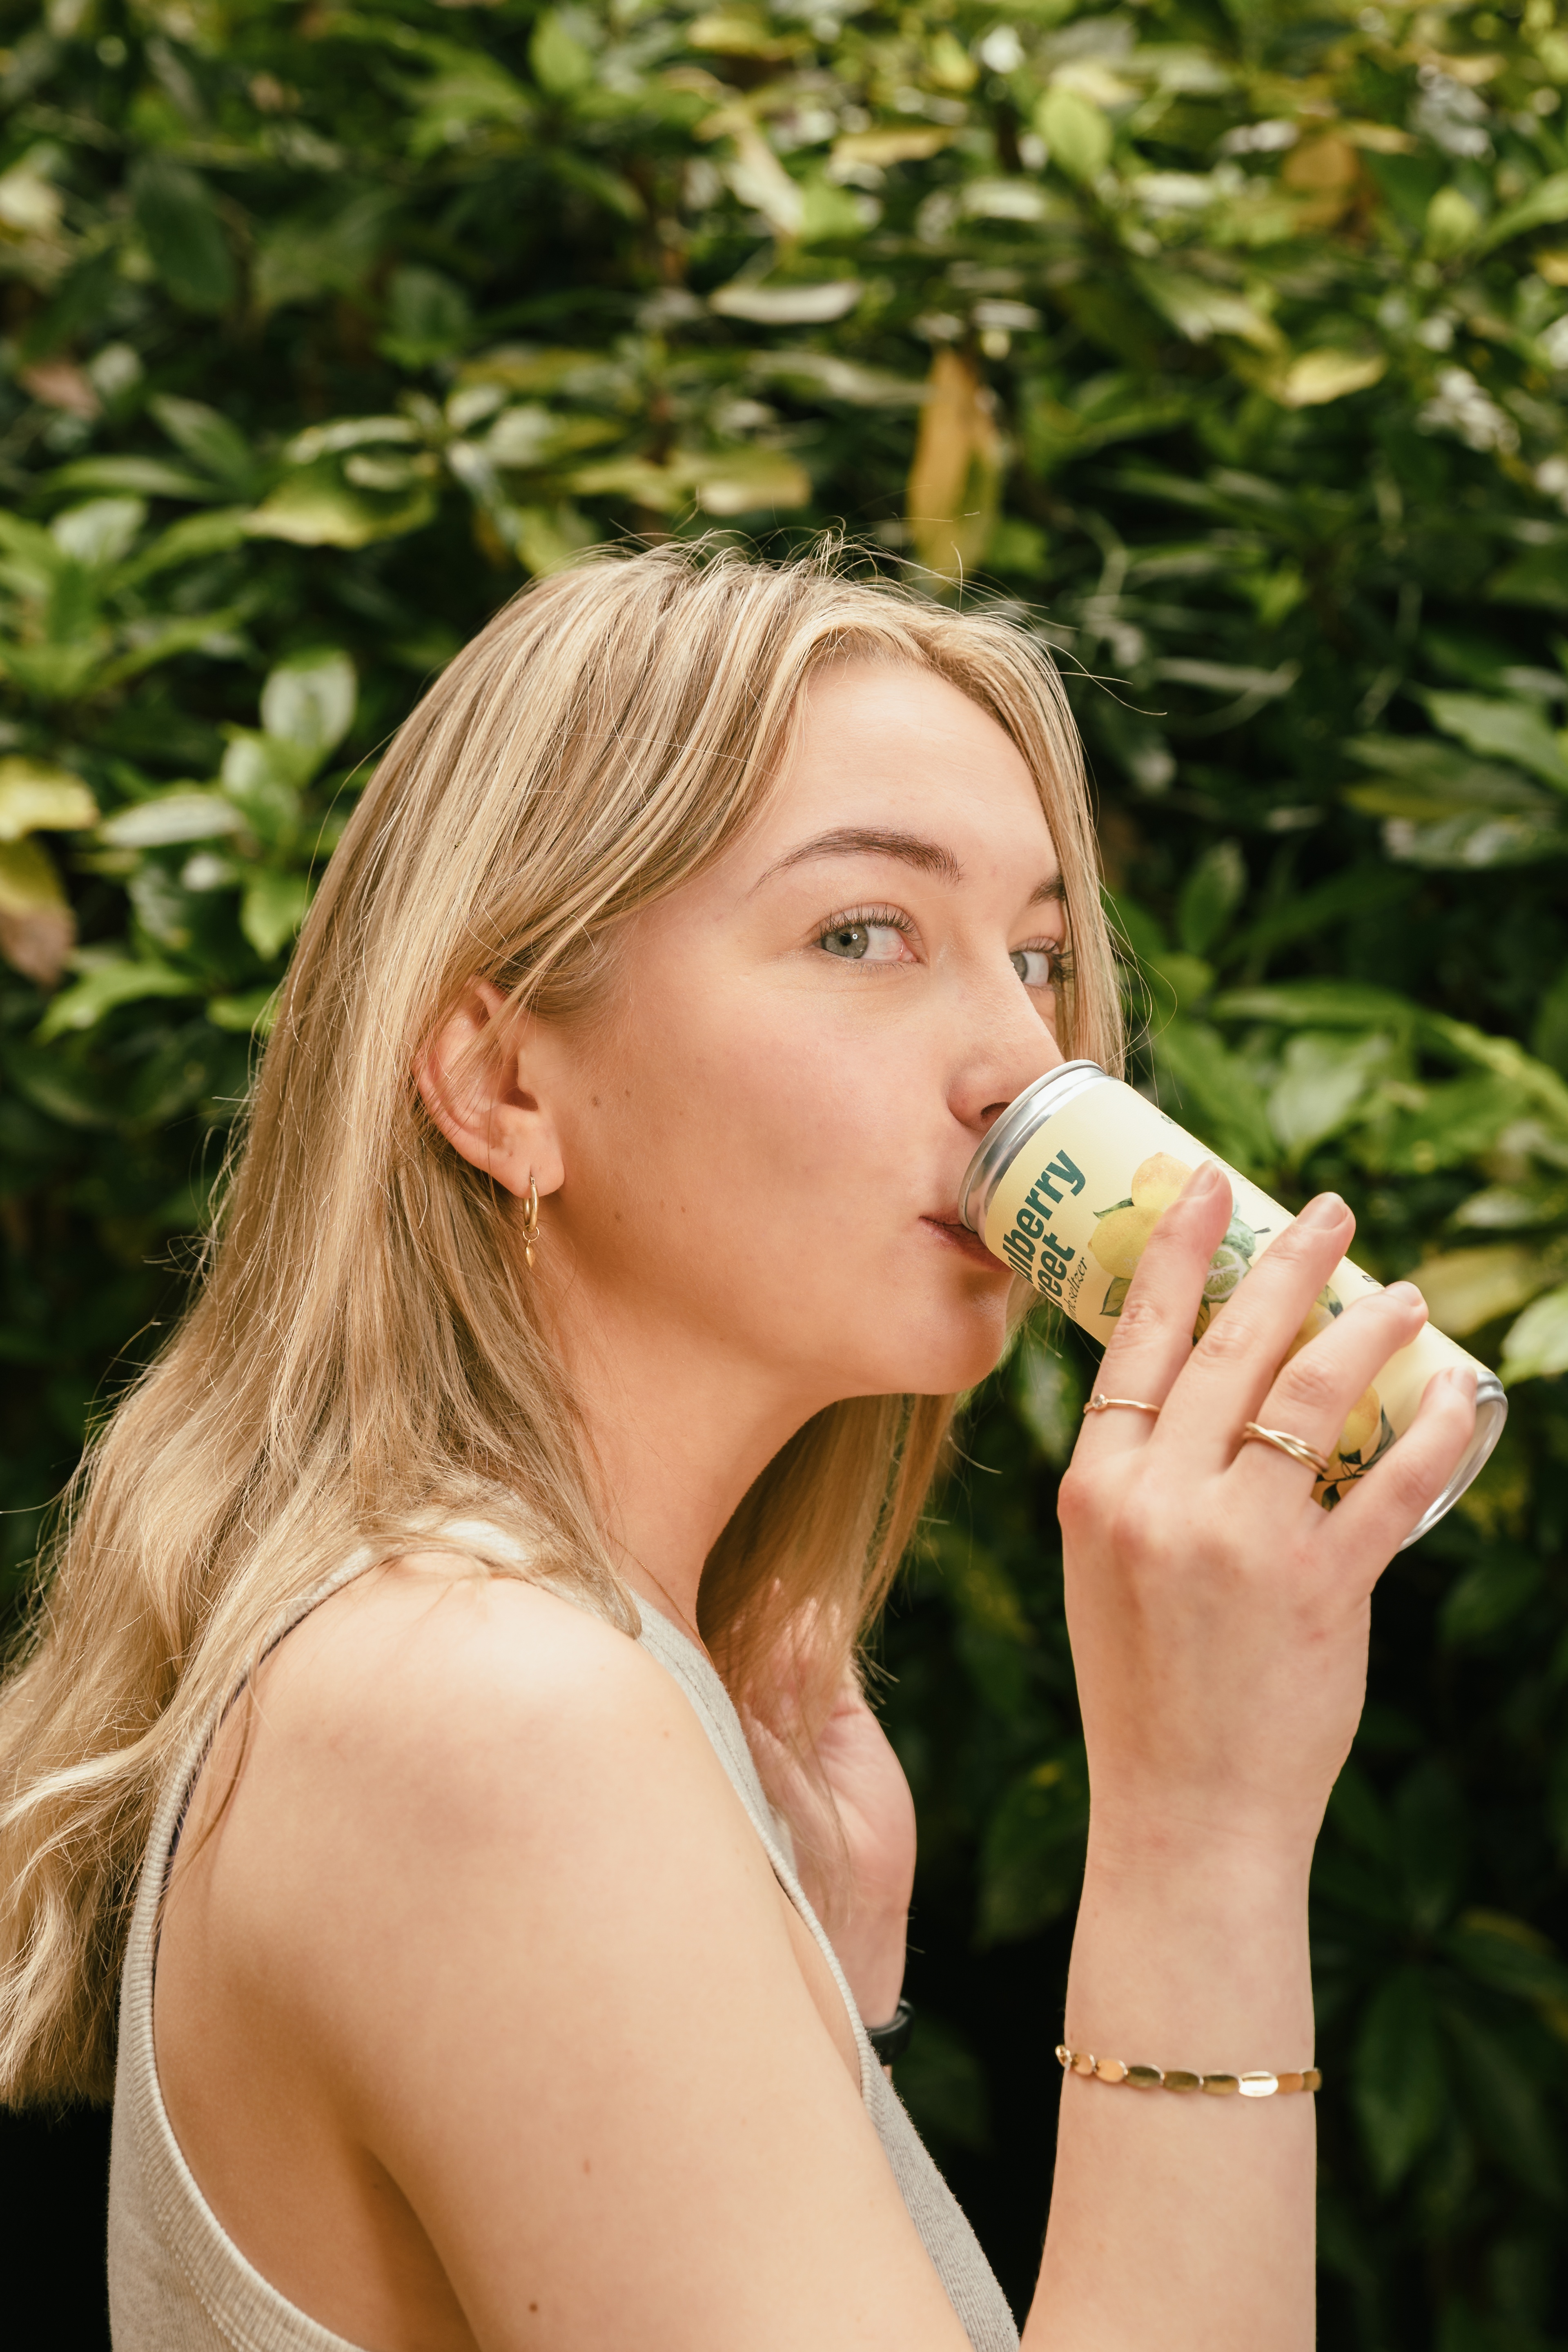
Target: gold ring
(1295,1447)
(1100,1402)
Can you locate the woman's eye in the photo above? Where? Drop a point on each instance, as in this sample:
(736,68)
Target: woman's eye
(864,942)
(1036,967)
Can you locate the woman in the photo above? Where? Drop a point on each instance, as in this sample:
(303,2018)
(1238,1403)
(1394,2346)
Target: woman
(592,1263)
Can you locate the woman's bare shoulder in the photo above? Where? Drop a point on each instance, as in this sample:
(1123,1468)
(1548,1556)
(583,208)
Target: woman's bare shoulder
(435,1681)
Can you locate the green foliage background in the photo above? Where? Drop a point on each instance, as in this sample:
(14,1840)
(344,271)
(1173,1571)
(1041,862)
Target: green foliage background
(1231,342)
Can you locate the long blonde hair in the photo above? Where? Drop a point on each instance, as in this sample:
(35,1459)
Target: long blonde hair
(359,1353)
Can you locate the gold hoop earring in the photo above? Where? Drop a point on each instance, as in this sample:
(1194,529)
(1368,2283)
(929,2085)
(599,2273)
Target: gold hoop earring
(530,1225)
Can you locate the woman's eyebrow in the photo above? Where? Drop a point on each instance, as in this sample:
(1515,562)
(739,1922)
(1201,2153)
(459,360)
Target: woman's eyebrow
(910,848)
(872,841)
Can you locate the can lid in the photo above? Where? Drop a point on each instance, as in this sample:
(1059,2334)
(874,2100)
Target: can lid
(1008,1138)
(1491,1413)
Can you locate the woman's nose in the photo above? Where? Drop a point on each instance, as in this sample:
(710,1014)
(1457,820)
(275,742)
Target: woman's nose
(1014,1050)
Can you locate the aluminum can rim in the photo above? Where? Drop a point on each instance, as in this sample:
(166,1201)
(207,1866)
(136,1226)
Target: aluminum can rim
(1040,1100)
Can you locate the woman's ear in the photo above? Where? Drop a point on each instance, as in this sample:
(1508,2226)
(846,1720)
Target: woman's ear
(474,1076)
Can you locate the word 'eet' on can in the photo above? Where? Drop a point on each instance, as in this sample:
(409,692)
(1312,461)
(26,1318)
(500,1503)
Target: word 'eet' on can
(1074,1178)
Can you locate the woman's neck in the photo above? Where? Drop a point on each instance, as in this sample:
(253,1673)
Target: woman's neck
(678,1430)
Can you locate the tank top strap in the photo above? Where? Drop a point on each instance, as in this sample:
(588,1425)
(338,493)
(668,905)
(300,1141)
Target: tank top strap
(715,1710)
(956,2252)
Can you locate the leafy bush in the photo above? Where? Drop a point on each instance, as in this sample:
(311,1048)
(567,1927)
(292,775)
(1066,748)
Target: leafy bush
(1232,344)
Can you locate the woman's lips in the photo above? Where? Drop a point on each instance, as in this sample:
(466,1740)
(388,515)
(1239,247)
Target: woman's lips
(958,1237)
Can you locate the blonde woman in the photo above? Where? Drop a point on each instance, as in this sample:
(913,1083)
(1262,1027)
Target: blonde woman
(576,1347)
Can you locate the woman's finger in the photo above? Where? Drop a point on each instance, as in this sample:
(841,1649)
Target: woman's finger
(1382,1510)
(1154,1331)
(1235,1363)
(1324,1392)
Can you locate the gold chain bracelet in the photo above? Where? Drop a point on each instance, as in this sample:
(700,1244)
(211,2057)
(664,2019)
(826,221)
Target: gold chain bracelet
(1260,2085)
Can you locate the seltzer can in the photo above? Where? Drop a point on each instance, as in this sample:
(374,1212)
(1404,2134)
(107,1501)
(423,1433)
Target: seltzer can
(1073,1178)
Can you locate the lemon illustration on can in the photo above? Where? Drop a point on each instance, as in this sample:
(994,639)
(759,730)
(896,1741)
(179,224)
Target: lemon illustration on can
(1367,1433)
(1122,1230)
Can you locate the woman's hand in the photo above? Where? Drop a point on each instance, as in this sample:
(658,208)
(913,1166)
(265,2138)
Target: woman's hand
(856,1855)
(868,1922)
(1218,1615)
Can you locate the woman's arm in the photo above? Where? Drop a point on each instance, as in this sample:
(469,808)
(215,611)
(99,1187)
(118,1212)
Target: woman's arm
(1219,1625)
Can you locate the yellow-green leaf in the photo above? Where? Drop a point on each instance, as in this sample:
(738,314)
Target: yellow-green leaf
(37,797)
(1537,1346)
(1465,1288)
(1075,131)
(1317,377)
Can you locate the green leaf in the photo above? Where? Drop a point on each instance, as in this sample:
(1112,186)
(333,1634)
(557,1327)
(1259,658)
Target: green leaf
(1364,890)
(789,306)
(272,911)
(1467,842)
(1431,1837)
(252,1013)
(1199,310)
(184,813)
(1319,1003)
(1077,132)
(42,1077)
(309,701)
(218,447)
(1546,203)
(1398,2086)
(175,215)
(1211,893)
(1504,1208)
(328,247)
(151,478)
(1509,1954)
(1209,1087)
(188,542)
(1049,1395)
(204,633)
(1325,1078)
(98,533)
(1459,1120)
(315,507)
(836,378)
(1512,731)
(1537,1346)
(261,777)
(1502,2089)
(115,982)
(428,316)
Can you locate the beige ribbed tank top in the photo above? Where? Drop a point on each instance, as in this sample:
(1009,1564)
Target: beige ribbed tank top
(177,2283)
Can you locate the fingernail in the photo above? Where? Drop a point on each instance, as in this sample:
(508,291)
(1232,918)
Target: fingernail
(1204,1180)
(1407,1294)
(1463,1377)
(1327,1210)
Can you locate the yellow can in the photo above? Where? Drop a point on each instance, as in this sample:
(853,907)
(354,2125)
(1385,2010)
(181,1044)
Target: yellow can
(1073,1178)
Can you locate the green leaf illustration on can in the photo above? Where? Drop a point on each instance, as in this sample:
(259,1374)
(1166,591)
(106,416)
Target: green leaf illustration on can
(1072,1181)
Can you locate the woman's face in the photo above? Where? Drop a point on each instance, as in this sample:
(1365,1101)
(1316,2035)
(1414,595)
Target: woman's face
(763,1142)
